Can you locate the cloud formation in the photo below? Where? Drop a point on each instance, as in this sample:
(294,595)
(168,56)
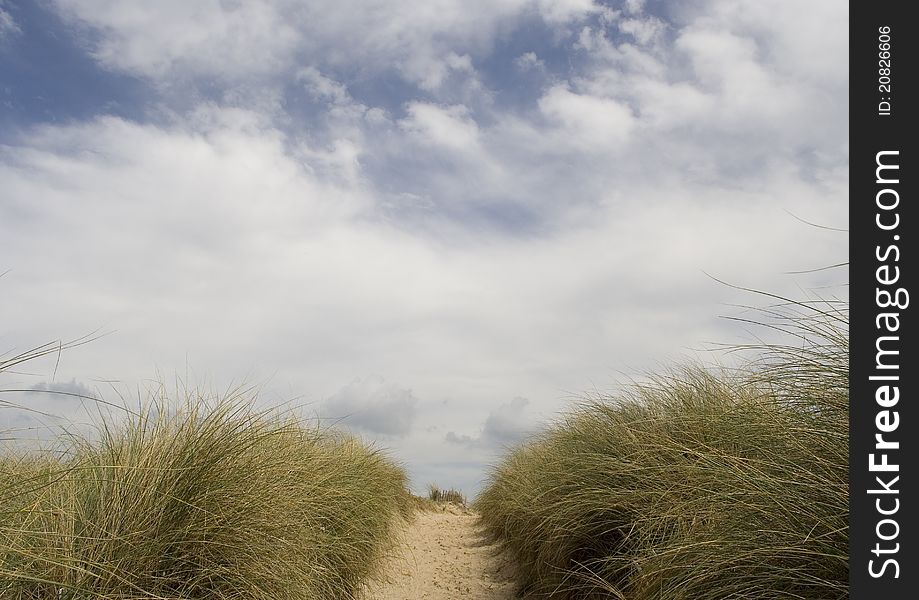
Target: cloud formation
(257,38)
(374,406)
(506,425)
(8,25)
(515,199)
(71,389)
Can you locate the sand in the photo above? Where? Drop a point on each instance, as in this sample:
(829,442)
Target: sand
(442,555)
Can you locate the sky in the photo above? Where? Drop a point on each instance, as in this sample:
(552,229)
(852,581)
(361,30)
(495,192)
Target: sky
(439,225)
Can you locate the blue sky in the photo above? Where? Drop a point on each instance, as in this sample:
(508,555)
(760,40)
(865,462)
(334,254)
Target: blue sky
(438,224)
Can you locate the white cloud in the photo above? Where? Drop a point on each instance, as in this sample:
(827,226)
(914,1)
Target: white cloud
(528,61)
(446,126)
(232,40)
(72,389)
(374,406)
(205,38)
(634,6)
(588,122)
(563,11)
(8,25)
(505,426)
(324,88)
(808,41)
(645,31)
(725,65)
(40,412)
(431,71)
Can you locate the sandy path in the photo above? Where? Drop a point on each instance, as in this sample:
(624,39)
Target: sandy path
(442,556)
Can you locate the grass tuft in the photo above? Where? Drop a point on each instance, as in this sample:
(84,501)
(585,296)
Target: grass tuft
(436,494)
(701,484)
(207,499)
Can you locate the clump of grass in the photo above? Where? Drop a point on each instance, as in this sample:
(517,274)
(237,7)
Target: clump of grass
(208,499)
(700,484)
(436,494)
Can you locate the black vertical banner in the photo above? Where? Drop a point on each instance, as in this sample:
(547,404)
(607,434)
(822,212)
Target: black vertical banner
(884,369)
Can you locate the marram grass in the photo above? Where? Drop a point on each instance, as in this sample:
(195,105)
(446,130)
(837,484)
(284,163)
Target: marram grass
(451,495)
(207,500)
(702,485)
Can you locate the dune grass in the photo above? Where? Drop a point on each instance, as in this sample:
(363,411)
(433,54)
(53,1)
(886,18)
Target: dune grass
(438,494)
(205,499)
(703,484)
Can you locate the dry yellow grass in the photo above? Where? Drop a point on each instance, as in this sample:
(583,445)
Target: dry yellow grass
(703,484)
(205,499)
